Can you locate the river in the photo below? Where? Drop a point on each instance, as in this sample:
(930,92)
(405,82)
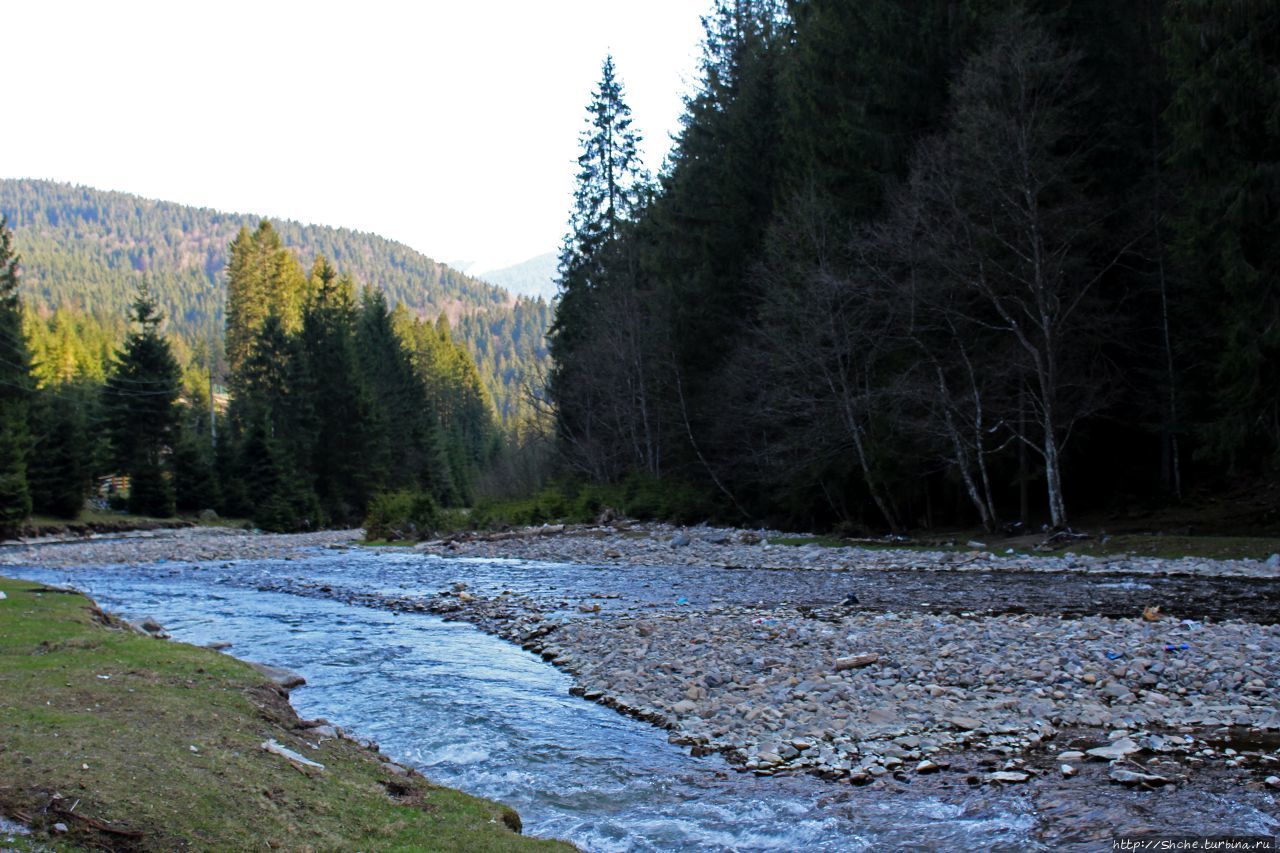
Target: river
(473,712)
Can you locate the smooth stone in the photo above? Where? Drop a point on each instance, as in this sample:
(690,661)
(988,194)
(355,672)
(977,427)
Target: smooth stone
(1113,751)
(286,678)
(1132,777)
(965,723)
(1008,776)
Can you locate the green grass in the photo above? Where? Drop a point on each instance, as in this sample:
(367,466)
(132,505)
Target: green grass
(1173,546)
(819,541)
(1162,545)
(120,749)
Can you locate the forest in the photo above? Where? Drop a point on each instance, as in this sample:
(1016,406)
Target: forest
(84,252)
(333,398)
(924,262)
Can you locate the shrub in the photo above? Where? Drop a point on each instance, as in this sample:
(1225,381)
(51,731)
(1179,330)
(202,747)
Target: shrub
(403,515)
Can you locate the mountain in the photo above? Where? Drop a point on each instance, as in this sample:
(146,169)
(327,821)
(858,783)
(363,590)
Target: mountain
(535,278)
(86,249)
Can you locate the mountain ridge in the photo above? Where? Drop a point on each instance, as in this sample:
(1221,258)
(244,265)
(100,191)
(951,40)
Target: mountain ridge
(88,249)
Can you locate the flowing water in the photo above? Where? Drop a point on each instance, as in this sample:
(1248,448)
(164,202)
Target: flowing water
(473,712)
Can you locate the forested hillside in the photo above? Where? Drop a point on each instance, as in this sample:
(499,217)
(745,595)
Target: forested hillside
(85,250)
(915,262)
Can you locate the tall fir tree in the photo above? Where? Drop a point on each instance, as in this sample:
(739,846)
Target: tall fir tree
(15,391)
(140,406)
(612,187)
(343,465)
(263,279)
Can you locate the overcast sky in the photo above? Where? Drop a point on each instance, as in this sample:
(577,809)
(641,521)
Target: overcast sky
(451,126)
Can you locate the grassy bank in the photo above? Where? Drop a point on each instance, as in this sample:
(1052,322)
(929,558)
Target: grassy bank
(141,744)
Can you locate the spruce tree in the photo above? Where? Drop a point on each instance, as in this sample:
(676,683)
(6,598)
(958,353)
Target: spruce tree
(263,279)
(342,463)
(612,187)
(139,402)
(15,392)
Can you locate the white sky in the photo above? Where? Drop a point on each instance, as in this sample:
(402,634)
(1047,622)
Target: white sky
(451,126)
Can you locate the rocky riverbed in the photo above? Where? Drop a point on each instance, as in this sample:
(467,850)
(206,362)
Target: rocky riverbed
(190,544)
(870,666)
(665,545)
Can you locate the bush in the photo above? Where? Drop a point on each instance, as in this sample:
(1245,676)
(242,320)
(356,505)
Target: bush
(572,503)
(396,516)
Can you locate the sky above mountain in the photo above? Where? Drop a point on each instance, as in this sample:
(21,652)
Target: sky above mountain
(452,127)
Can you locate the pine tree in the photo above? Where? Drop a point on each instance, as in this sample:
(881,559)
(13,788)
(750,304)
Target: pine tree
(139,401)
(15,391)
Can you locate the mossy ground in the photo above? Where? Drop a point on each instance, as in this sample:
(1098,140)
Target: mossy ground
(97,729)
(1166,545)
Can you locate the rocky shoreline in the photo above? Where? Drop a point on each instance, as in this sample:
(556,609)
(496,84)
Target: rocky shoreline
(186,544)
(663,544)
(861,694)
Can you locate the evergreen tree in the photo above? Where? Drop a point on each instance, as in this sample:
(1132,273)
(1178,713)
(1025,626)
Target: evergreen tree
(1225,129)
(342,463)
(195,487)
(59,466)
(263,279)
(612,186)
(408,444)
(15,391)
(139,401)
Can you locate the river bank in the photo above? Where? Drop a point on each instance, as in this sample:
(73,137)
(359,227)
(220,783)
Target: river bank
(112,739)
(885,669)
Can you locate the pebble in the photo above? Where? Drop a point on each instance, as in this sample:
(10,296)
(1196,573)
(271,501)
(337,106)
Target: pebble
(1113,751)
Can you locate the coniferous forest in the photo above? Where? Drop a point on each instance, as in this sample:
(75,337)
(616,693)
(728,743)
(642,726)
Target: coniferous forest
(922,262)
(332,397)
(908,263)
